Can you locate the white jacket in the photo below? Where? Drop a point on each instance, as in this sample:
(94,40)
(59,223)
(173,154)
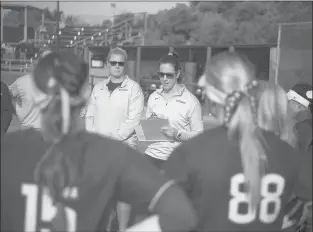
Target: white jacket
(183,112)
(115,114)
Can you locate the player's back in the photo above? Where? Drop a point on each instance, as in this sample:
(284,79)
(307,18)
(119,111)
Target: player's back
(215,182)
(26,207)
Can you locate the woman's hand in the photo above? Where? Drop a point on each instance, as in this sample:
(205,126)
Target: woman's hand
(169,132)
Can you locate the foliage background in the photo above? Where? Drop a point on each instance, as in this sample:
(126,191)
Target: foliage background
(211,23)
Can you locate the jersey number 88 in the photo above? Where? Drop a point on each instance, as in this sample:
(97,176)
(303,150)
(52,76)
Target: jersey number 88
(267,197)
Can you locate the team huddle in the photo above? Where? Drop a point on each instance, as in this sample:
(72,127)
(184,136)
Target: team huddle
(253,172)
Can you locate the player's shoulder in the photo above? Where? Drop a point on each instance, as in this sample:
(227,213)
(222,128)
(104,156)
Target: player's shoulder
(281,156)
(20,138)
(103,155)
(208,140)
(275,144)
(104,147)
(22,146)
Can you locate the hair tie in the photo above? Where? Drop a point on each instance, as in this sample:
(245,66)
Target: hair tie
(250,86)
(232,101)
(249,90)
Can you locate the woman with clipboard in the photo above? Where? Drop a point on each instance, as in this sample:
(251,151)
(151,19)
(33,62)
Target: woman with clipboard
(176,104)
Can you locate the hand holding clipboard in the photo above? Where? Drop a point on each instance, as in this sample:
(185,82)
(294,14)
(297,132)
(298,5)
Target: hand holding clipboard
(152,130)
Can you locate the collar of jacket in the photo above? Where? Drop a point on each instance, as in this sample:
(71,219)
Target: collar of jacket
(106,82)
(180,91)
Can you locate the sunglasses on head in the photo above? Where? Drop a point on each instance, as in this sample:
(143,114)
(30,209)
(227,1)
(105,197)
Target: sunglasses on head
(120,63)
(168,75)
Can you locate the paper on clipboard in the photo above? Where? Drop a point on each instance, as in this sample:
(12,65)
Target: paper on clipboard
(151,130)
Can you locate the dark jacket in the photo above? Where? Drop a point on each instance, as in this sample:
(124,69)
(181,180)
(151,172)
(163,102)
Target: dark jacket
(7,109)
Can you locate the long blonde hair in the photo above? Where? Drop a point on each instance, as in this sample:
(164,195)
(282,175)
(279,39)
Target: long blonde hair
(255,106)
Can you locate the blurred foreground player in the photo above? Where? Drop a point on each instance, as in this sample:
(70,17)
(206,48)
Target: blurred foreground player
(244,171)
(79,177)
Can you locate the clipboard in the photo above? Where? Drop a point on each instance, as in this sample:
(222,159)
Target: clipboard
(150,130)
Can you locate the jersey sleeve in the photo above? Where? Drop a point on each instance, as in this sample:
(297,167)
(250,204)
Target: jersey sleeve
(140,183)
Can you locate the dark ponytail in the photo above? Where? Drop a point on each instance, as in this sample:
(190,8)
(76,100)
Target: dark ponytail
(62,78)
(171,58)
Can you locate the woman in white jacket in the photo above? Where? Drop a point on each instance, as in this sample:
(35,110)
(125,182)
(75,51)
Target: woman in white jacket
(175,103)
(116,104)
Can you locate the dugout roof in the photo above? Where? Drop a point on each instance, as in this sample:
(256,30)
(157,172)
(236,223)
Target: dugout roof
(18,7)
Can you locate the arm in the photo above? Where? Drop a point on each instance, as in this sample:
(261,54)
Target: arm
(90,111)
(135,109)
(196,123)
(142,184)
(149,107)
(7,109)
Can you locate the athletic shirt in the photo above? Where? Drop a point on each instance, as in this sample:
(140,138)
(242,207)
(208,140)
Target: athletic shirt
(208,167)
(112,86)
(108,172)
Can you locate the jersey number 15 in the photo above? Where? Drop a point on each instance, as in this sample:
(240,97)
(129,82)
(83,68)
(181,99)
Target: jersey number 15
(48,211)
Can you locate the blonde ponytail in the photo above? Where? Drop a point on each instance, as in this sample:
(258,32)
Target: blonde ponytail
(65,110)
(253,156)
(273,112)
